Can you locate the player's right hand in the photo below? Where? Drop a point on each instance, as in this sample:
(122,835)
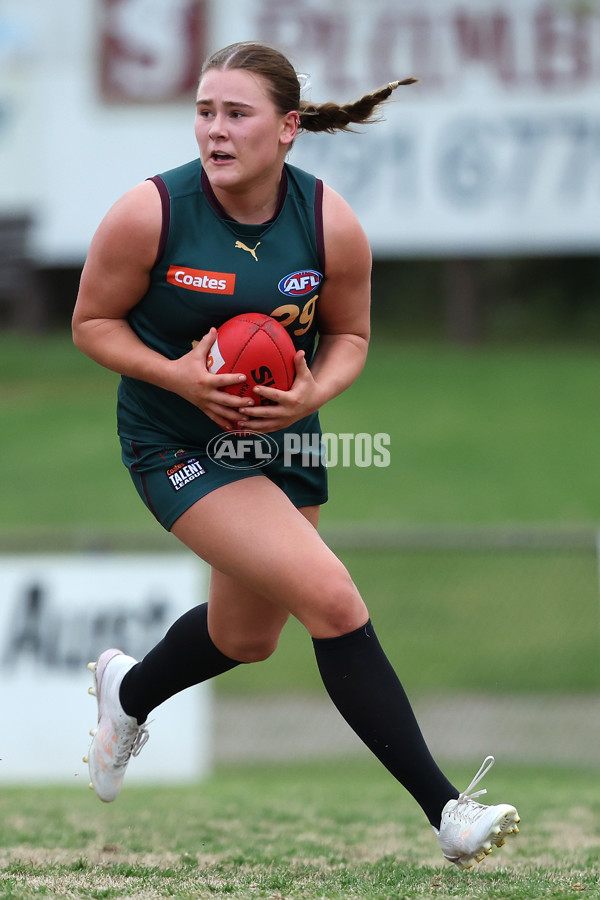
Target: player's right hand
(193,382)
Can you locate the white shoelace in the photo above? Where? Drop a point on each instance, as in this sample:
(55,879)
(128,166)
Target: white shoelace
(133,746)
(483,770)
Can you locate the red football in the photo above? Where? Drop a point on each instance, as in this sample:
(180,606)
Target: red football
(258,347)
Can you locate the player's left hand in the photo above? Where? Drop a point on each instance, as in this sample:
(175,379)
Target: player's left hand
(284,407)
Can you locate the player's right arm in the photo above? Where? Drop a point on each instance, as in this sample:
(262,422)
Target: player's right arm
(115,277)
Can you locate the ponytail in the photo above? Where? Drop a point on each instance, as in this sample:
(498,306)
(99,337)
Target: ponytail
(331,117)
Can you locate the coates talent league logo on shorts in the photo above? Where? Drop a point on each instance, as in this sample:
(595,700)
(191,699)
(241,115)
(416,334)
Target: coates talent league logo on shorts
(300,283)
(242,450)
(184,472)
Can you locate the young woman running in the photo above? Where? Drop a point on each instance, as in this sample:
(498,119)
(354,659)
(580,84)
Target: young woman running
(173,259)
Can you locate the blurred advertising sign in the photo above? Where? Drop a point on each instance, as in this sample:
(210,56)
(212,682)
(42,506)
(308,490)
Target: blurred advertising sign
(151,50)
(57,614)
(496,149)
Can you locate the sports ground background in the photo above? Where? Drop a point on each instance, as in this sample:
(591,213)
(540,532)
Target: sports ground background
(476,548)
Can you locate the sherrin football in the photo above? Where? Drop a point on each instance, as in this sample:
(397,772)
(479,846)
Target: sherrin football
(257,346)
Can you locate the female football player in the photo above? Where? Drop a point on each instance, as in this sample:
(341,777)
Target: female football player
(238,220)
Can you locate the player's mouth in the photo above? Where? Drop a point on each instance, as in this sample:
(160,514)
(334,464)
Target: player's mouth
(218,156)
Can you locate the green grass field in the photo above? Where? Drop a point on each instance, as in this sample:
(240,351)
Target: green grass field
(483,439)
(319,831)
(492,438)
(477,438)
(536,611)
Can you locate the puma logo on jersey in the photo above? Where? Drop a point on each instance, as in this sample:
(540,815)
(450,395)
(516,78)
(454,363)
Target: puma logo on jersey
(250,250)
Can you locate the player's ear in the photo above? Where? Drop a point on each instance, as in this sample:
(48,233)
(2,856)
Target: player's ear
(291,123)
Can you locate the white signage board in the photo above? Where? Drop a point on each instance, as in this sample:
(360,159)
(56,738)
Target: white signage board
(495,151)
(57,613)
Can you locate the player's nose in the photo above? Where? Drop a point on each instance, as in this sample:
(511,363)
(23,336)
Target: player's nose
(218,126)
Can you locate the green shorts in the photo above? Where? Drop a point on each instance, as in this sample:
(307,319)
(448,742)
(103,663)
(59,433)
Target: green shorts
(170,479)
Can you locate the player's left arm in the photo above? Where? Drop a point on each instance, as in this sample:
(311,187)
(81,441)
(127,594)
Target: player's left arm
(343,310)
(343,307)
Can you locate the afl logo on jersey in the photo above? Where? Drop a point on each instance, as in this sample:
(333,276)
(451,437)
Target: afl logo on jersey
(300,283)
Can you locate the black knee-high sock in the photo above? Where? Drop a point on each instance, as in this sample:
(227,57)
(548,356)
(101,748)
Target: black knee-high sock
(363,685)
(185,656)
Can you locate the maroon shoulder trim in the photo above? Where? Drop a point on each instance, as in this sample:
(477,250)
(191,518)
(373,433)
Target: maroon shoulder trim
(319,223)
(166,216)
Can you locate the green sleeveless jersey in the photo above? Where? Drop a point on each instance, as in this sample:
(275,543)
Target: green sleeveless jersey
(210,268)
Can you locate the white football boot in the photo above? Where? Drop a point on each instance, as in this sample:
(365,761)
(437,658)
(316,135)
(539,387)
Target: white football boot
(118,736)
(469,830)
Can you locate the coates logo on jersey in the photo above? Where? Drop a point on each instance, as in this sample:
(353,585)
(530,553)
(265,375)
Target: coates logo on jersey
(300,283)
(199,280)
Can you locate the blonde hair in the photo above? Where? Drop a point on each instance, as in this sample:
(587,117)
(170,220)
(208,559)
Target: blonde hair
(284,88)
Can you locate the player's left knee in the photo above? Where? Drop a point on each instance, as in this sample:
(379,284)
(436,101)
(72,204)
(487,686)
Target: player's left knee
(251,648)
